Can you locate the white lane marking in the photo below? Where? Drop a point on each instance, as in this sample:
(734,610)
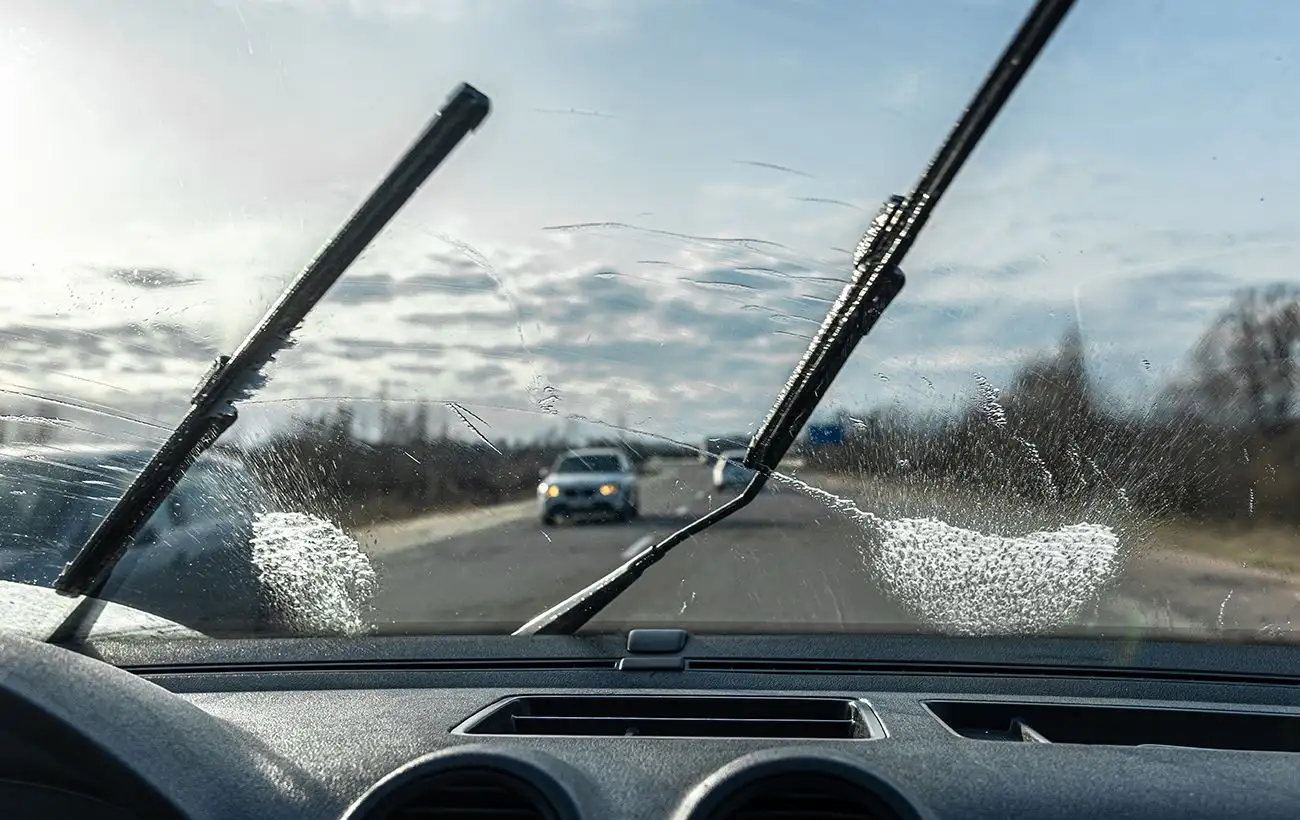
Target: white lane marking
(638,545)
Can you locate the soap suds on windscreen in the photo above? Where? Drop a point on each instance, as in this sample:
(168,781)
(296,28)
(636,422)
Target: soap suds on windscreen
(970,582)
(315,573)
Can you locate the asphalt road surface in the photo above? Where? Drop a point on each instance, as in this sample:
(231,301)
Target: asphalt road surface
(785,559)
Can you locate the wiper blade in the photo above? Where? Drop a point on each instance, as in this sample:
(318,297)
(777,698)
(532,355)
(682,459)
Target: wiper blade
(876,280)
(234,377)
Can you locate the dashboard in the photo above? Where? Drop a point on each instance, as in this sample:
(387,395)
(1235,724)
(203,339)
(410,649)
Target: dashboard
(652,724)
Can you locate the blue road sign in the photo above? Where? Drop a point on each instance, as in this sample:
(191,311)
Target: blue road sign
(824,434)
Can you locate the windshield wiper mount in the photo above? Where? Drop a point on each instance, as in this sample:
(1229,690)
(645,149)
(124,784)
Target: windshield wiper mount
(876,280)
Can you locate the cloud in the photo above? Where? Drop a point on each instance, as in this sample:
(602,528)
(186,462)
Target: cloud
(380,288)
(442,11)
(706,339)
(489,374)
(151,278)
(641,259)
(365,350)
(598,296)
(437,321)
(55,345)
(365,288)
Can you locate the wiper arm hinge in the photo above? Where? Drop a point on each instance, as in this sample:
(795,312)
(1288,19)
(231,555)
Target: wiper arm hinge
(234,377)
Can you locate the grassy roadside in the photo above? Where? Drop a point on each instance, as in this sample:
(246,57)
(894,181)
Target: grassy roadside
(1258,544)
(1263,545)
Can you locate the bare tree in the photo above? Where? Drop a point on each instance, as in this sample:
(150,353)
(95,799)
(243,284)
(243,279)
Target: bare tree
(1244,369)
(1055,387)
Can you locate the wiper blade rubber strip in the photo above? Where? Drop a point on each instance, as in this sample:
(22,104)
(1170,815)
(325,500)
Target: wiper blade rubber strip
(877,278)
(234,377)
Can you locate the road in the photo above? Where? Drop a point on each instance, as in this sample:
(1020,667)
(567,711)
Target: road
(786,561)
(784,558)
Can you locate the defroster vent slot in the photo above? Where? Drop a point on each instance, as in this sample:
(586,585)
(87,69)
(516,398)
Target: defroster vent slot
(808,718)
(1120,725)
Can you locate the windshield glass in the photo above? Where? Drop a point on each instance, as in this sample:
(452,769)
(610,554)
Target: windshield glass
(52,502)
(589,464)
(1079,415)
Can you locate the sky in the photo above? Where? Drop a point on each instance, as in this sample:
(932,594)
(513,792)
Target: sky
(654,218)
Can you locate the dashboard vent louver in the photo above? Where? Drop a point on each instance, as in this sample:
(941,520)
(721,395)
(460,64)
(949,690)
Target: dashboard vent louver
(804,796)
(465,794)
(1120,725)
(679,716)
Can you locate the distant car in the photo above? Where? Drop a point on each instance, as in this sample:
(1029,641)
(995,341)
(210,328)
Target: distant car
(191,562)
(729,470)
(591,481)
(715,446)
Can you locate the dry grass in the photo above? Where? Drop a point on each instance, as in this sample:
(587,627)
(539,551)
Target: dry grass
(1256,543)
(1259,545)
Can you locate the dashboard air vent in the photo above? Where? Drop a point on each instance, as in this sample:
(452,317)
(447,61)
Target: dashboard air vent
(465,794)
(679,716)
(805,796)
(1120,725)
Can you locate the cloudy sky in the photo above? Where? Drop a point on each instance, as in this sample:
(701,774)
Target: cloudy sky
(656,214)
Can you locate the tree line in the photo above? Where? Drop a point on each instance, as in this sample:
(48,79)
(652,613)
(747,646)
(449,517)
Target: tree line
(325,467)
(1220,441)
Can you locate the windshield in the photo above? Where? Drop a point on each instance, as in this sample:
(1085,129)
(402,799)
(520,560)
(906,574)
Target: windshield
(1078,416)
(55,503)
(589,464)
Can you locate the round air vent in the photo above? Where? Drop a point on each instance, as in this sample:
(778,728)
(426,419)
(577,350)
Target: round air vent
(472,793)
(804,795)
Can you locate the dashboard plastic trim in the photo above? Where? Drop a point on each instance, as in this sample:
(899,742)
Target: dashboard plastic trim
(1136,656)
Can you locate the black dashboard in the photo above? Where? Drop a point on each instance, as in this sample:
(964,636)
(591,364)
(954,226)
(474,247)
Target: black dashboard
(655,725)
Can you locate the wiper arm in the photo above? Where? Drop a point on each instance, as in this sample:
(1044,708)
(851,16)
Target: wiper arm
(876,280)
(234,377)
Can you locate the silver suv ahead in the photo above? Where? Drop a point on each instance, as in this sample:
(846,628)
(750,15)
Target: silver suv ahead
(593,481)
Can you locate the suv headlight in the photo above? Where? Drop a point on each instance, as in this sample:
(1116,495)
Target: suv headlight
(608,489)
